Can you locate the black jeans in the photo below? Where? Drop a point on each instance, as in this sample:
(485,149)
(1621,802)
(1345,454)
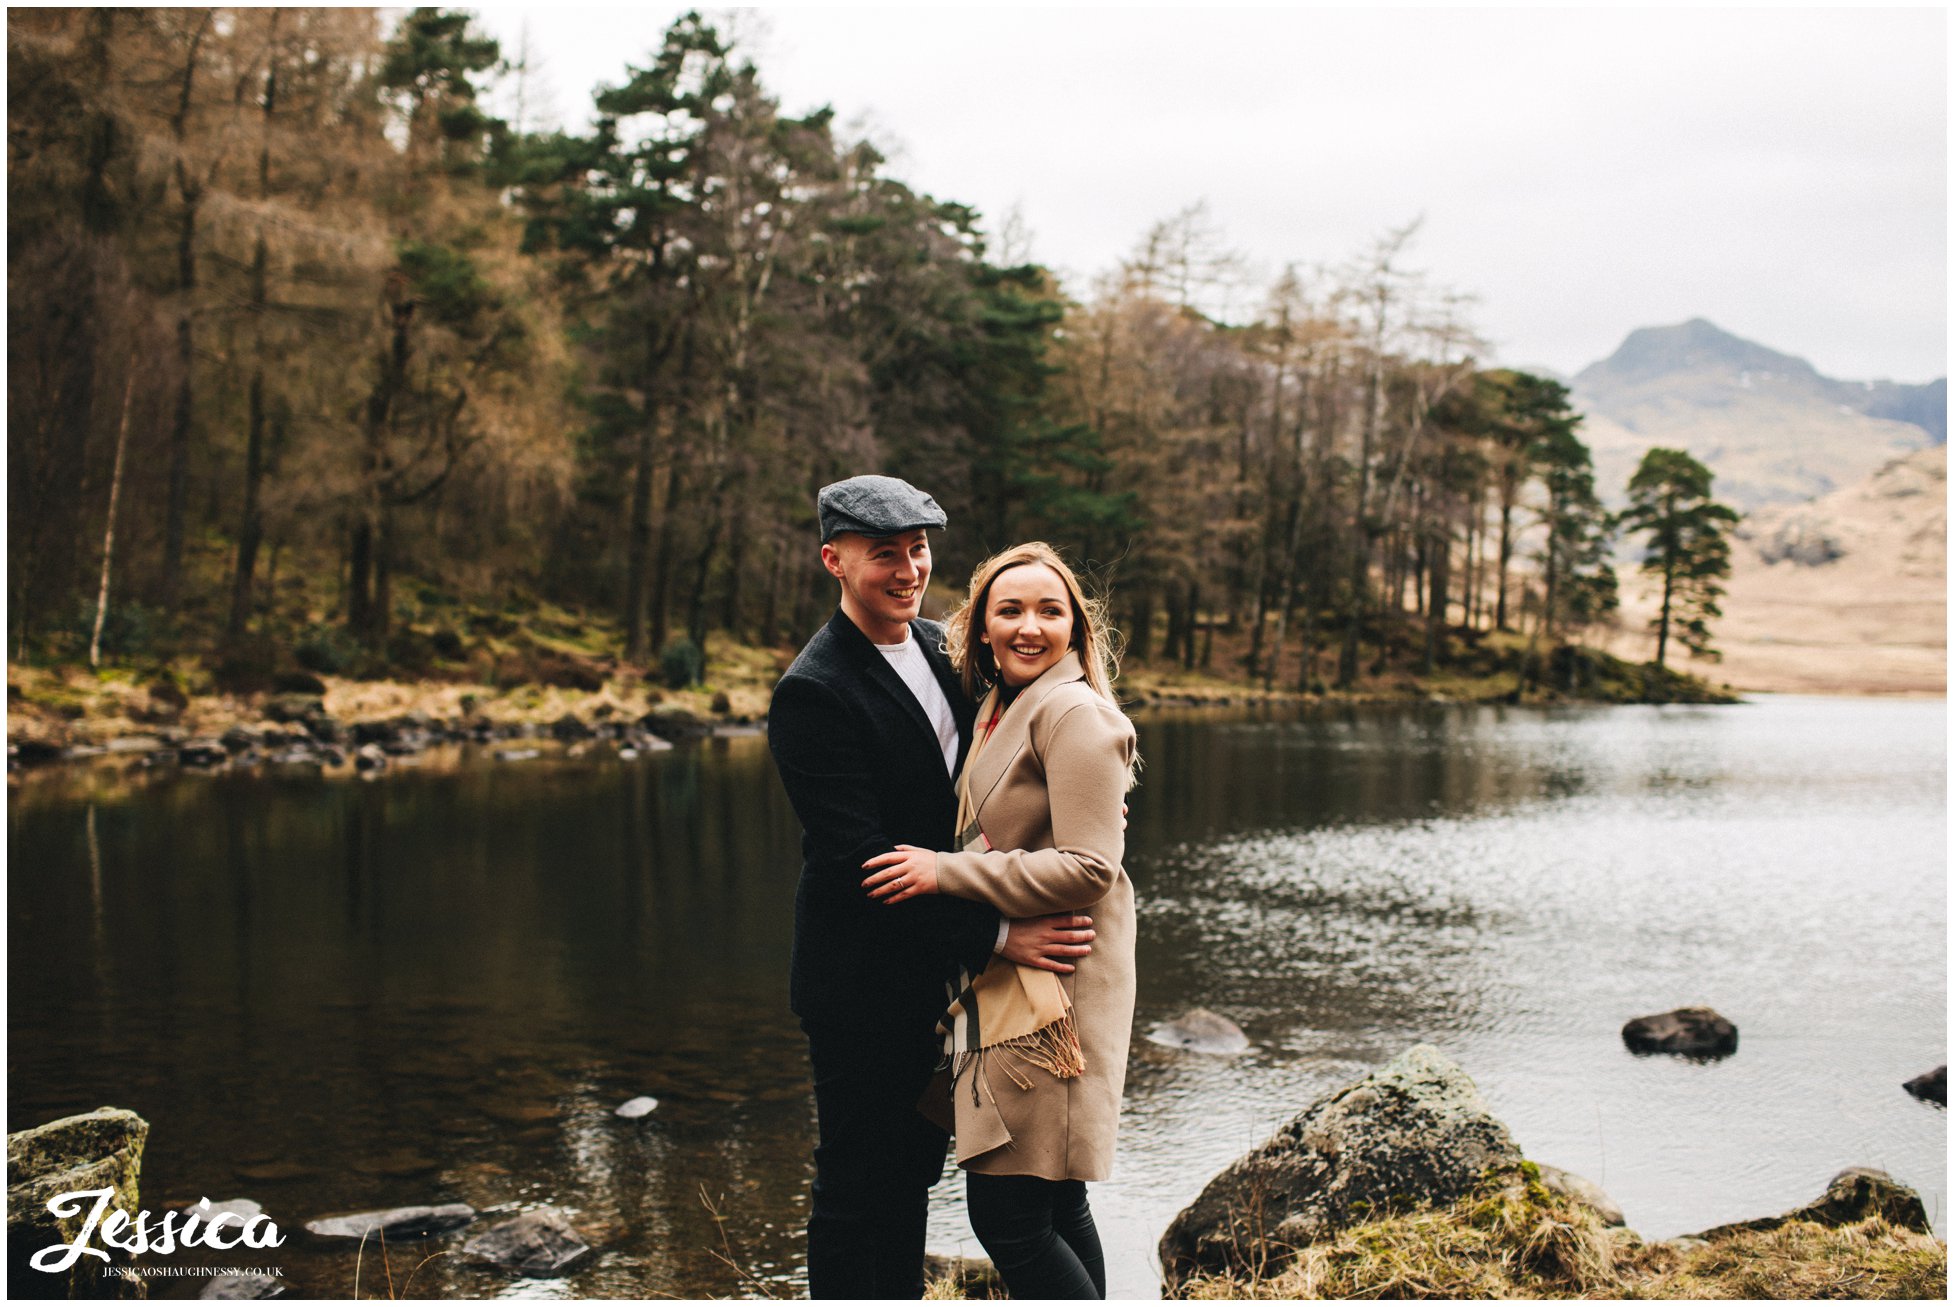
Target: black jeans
(875,1162)
(1039,1234)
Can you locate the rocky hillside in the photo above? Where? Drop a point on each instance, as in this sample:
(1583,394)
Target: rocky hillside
(1772,428)
(1846,593)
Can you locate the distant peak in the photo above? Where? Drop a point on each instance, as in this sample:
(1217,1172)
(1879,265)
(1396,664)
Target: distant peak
(1697,345)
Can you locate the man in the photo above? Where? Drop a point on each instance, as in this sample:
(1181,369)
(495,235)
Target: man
(868,728)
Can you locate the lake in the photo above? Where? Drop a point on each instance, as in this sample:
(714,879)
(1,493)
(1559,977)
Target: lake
(337,994)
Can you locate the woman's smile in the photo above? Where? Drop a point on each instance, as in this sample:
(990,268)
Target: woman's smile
(1030,623)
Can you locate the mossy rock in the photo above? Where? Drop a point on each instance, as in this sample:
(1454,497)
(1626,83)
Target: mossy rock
(95,1150)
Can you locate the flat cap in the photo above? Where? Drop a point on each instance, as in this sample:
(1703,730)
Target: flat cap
(876,506)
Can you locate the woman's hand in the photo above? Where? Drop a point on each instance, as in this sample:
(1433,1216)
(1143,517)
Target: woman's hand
(907,872)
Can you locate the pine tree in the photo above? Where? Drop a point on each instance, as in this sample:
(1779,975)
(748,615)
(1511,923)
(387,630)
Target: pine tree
(1688,546)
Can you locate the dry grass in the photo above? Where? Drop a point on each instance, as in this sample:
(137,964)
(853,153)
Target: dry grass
(1513,1239)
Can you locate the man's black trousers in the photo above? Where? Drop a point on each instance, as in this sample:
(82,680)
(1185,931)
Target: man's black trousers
(875,1162)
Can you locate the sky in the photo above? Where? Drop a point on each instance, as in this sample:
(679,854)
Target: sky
(1580,173)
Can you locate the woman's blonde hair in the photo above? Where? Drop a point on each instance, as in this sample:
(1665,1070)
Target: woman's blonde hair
(1093,637)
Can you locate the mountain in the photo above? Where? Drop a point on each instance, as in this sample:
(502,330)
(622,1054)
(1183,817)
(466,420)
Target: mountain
(1770,425)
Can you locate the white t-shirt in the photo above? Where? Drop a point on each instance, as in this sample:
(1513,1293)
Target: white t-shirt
(912,665)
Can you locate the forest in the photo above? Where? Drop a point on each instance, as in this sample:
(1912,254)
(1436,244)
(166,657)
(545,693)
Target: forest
(317,353)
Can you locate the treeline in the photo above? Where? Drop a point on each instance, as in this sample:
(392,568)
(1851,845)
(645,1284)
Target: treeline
(289,300)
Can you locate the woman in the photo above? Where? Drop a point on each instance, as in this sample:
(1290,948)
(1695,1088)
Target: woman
(1038,1060)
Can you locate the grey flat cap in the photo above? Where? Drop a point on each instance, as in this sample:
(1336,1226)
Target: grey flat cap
(876,506)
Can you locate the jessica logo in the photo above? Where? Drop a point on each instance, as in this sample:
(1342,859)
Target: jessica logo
(201,1228)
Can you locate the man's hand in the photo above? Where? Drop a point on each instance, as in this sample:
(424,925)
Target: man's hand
(907,872)
(1045,942)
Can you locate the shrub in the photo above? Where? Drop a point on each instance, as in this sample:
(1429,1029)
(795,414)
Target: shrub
(681,664)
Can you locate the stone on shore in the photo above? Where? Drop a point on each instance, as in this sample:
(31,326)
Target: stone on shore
(1691,1031)
(1930,1086)
(294,708)
(538,1243)
(1852,1196)
(1416,1131)
(203,752)
(95,1150)
(1582,1190)
(395,1223)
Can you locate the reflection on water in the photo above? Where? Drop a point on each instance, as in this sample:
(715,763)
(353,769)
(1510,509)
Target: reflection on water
(333,996)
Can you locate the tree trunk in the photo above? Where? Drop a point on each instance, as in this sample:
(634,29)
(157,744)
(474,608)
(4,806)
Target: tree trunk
(1441,577)
(638,548)
(250,529)
(108,529)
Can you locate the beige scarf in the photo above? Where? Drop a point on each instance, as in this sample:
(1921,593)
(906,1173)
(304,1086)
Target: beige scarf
(1026,1018)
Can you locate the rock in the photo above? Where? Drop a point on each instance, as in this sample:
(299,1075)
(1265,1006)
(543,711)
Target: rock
(1582,1190)
(247,1288)
(251,1286)
(1930,1086)
(1801,539)
(642,1105)
(298,681)
(674,724)
(135,744)
(203,752)
(722,703)
(1693,1031)
(396,1223)
(242,1208)
(293,708)
(570,727)
(1200,1031)
(975,1277)
(95,1150)
(325,729)
(166,693)
(517,755)
(569,673)
(34,752)
(370,757)
(1852,1196)
(539,1242)
(1414,1132)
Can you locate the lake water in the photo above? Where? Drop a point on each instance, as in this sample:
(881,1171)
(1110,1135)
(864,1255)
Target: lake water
(335,995)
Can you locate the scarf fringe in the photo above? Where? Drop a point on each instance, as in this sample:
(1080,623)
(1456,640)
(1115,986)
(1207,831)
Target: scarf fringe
(1053,1048)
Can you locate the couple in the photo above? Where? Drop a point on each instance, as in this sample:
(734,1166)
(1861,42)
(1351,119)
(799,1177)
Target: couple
(944,962)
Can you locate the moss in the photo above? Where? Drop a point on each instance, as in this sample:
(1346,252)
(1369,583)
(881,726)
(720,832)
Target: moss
(1514,1239)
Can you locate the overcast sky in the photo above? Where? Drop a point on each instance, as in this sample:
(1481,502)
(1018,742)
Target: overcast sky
(1582,173)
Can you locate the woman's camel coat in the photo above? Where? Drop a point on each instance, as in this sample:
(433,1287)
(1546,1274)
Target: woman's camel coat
(1047,789)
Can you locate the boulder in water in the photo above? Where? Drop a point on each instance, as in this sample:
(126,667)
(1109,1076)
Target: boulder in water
(1930,1086)
(396,1223)
(540,1242)
(1691,1031)
(247,1286)
(642,1105)
(1200,1031)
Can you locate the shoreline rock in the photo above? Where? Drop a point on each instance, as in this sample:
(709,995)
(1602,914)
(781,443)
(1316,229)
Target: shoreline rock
(93,1150)
(1414,1131)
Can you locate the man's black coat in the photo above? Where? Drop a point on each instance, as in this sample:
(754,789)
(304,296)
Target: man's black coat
(864,771)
